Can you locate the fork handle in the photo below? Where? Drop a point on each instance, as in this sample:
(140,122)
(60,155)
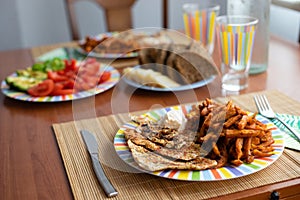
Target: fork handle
(294,132)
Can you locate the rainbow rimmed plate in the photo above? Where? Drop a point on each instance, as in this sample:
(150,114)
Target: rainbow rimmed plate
(115,76)
(223,173)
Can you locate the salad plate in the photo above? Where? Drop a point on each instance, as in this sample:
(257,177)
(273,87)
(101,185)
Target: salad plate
(23,96)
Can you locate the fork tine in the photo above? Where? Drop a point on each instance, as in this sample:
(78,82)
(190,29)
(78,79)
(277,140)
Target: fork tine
(261,102)
(257,102)
(267,104)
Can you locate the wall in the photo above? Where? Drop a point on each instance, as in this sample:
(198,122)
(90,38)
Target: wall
(10,30)
(42,22)
(27,23)
(285,23)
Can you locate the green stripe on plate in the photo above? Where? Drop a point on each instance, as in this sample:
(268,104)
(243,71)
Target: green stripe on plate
(196,175)
(154,115)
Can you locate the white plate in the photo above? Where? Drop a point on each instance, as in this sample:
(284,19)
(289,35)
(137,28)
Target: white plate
(180,88)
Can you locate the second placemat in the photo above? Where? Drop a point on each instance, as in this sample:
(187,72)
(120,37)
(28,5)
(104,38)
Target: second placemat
(133,184)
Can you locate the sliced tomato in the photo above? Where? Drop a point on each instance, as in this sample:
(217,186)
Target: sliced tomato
(42,89)
(62,92)
(69,84)
(70,65)
(56,77)
(70,74)
(105,76)
(61,72)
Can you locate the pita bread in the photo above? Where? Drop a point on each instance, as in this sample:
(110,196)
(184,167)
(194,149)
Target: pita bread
(154,162)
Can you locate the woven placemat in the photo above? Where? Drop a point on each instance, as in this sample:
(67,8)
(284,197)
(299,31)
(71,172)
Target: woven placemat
(135,185)
(117,63)
(40,50)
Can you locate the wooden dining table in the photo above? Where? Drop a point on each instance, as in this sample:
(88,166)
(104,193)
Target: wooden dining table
(32,166)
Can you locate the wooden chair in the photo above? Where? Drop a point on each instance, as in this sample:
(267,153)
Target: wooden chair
(113,9)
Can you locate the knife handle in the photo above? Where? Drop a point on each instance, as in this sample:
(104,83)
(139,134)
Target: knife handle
(108,188)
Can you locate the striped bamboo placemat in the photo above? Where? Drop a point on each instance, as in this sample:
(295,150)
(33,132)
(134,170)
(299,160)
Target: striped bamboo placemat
(40,50)
(132,184)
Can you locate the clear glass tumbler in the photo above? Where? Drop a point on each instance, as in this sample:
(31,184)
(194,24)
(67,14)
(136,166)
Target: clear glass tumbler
(259,9)
(235,36)
(199,23)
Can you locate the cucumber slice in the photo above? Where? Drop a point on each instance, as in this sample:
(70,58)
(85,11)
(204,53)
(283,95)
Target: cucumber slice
(22,83)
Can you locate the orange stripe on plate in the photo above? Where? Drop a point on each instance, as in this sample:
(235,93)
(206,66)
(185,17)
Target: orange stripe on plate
(216,173)
(266,159)
(173,172)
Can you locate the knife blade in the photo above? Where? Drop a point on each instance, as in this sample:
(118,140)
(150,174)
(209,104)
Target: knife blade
(92,147)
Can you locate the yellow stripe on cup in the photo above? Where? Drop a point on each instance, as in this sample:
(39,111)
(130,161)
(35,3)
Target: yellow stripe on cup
(250,41)
(240,41)
(197,25)
(211,27)
(225,44)
(229,42)
(229,28)
(186,24)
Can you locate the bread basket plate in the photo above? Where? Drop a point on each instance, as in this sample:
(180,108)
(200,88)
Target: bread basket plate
(170,73)
(223,173)
(105,55)
(22,96)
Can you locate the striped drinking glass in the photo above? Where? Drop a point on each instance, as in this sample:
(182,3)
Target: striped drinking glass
(199,23)
(235,36)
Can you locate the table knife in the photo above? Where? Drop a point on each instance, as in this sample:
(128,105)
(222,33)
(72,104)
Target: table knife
(92,147)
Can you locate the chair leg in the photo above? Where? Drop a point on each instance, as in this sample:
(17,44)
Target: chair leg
(116,20)
(71,19)
(165,13)
(299,36)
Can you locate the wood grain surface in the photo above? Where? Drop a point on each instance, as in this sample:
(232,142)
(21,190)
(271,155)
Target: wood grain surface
(31,164)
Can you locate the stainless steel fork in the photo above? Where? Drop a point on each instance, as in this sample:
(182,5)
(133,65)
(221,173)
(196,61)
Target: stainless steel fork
(265,110)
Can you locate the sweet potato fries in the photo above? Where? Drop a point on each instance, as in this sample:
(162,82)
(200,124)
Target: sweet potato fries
(234,135)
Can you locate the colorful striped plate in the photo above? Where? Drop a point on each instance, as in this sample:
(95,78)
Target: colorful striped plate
(224,173)
(115,76)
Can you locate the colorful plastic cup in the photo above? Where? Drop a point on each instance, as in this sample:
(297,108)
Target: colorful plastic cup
(235,35)
(199,23)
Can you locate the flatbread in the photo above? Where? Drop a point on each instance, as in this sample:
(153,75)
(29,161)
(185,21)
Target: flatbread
(154,162)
